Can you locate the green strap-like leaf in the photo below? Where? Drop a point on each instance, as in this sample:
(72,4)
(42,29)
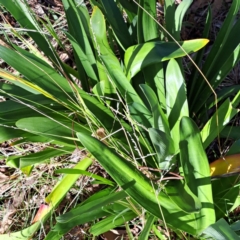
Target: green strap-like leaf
(198,59)
(147,228)
(225,193)
(219,75)
(136,185)
(38,72)
(176,99)
(221,231)
(159,117)
(112,222)
(196,171)
(115,18)
(140,56)
(86,212)
(110,61)
(221,59)
(147,28)
(83,52)
(60,131)
(217,122)
(164,147)
(179,15)
(169,14)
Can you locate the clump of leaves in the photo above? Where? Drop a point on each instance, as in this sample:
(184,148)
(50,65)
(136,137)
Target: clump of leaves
(132,111)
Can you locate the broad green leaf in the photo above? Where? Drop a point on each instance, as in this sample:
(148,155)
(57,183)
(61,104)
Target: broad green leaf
(147,228)
(223,94)
(98,90)
(116,21)
(176,99)
(225,193)
(169,14)
(158,233)
(85,63)
(77,171)
(24,234)
(84,56)
(78,22)
(53,236)
(102,193)
(7,133)
(136,185)
(30,105)
(66,183)
(36,158)
(112,222)
(147,28)
(230,62)
(219,75)
(23,84)
(198,59)
(221,231)
(164,147)
(140,56)
(86,212)
(39,73)
(183,197)
(102,46)
(103,114)
(235,148)
(235,226)
(110,62)
(10,89)
(196,170)
(179,15)
(154,78)
(141,115)
(217,122)
(159,117)
(106,118)
(226,41)
(130,8)
(60,131)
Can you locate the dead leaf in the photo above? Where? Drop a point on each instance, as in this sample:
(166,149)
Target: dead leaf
(7,218)
(115,235)
(42,211)
(225,166)
(3,178)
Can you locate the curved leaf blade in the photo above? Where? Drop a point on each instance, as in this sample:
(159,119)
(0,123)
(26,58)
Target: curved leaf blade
(140,56)
(196,170)
(136,185)
(176,99)
(226,165)
(110,61)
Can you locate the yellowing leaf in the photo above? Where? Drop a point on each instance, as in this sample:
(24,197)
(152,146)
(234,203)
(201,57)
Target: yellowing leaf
(42,211)
(227,165)
(12,77)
